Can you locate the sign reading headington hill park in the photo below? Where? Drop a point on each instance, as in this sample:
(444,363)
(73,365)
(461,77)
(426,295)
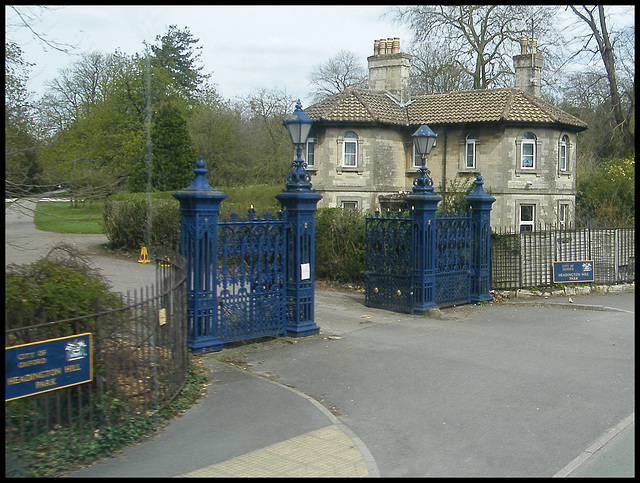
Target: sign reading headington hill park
(570,272)
(48,365)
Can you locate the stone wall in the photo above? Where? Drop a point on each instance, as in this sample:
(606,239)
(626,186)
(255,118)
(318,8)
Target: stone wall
(385,167)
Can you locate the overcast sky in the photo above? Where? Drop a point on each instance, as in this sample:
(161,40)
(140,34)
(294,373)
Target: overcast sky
(244,47)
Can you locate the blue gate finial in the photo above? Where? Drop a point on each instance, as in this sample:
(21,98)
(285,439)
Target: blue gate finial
(200,182)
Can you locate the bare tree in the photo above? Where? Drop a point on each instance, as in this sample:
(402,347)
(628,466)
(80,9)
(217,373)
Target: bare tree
(28,17)
(433,70)
(337,74)
(594,17)
(482,38)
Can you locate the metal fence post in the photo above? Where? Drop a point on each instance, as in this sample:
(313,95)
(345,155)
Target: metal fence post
(423,202)
(300,201)
(200,209)
(480,203)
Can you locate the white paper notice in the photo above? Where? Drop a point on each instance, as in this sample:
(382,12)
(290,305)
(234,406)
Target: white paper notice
(305,271)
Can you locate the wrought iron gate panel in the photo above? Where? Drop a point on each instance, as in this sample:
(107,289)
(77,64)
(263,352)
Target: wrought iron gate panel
(251,277)
(453,260)
(389,262)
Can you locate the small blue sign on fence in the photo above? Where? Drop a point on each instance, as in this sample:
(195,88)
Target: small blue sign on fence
(48,365)
(570,272)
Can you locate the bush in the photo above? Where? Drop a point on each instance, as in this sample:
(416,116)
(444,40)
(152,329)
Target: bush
(340,245)
(54,288)
(129,227)
(606,192)
(134,221)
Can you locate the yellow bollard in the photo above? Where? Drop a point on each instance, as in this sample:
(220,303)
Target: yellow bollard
(144,257)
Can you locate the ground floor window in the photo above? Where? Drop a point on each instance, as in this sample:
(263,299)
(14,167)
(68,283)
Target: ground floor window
(352,205)
(527,218)
(563,210)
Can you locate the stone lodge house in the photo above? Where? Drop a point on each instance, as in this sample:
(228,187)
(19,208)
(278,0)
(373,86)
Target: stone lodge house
(360,151)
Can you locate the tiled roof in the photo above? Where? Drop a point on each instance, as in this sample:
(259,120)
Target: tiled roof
(476,106)
(358,105)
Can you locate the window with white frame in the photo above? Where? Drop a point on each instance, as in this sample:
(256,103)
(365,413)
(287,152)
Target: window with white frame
(527,217)
(470,151)
(310,154)
(417,159)
(350,150)
(350,205)
(563,210)
(564,154)
(528,151)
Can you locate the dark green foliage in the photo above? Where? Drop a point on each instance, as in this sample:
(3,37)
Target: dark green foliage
(340,245)
(68,451)
(453,201)
(139,220)
(606,192)
(169,165)
(134,220)
(46,289)
(176,52)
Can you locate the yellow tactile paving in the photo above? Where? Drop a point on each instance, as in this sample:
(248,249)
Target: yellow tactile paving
(323,452)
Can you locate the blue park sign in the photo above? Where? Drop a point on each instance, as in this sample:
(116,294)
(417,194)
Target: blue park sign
(48,365)
(570,272)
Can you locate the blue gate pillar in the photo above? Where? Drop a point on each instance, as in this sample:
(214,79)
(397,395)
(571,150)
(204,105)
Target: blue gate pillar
(300,201)
(480,203)
(200,209)
(423,202)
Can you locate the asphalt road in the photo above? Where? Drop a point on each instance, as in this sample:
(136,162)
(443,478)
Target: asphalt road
(533,388)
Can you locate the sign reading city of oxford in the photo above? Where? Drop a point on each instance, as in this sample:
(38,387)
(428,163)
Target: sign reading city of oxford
(48,365)
(570,272)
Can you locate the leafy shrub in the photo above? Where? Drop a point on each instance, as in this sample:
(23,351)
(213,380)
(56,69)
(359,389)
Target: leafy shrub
(340,245)
(55,287)
(606,192)
(130,224)
(135,220)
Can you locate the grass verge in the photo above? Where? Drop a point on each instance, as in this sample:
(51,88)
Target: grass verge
(61,217)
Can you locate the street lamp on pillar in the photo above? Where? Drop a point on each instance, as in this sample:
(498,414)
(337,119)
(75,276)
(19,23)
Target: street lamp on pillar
(298,125)
(424,139)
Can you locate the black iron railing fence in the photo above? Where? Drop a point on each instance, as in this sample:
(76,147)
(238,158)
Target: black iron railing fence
(140,364)
(525,260)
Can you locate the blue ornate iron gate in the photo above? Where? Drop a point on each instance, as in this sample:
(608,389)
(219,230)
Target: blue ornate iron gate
(389,262)
(251,277)
(416,261)
(453,260)
(248,278)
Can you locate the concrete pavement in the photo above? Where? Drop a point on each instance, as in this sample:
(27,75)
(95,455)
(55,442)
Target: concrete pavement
(541,388)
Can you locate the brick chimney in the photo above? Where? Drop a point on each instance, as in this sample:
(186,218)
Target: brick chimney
(389,69)
(528,66)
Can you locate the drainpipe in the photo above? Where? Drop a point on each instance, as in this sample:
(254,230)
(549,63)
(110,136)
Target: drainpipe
(444,170)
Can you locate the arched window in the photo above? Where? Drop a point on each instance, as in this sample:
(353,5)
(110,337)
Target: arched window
(528,153)
(564,154)
(470,151)
(350,150)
